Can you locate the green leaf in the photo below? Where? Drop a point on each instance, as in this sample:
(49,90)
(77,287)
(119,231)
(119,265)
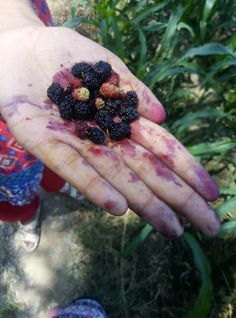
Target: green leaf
(227,207)
(209,4)
(137,241)
(71,23)
(228,228)
(183,123)
(182,25)
(148,11)
(153,27)
(202,304)
(209,49)
(217,147)
(172,26)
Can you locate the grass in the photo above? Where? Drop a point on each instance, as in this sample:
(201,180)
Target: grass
(186,53)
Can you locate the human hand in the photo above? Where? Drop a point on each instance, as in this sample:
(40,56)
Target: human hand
(152,173)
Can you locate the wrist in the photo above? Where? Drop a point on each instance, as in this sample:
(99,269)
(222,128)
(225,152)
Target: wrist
(17,13)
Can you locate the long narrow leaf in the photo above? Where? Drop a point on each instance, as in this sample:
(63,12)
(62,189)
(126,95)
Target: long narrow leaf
(138,240)
(149,10)
(228,228)
(212,148)
(202,304)
(228,206)
(209,49)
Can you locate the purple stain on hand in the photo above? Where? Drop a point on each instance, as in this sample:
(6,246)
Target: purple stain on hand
(133,178)
(13,106)
(161,169)
(64,77)
(64,127)
(206,185)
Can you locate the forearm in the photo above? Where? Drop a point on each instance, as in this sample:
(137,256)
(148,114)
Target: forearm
(17,13)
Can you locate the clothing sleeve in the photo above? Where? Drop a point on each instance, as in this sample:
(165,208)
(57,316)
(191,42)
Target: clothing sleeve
(42,10)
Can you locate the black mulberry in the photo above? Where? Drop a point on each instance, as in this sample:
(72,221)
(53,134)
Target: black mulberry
(83,110)
(113,106)
(128,114)
(130,99)
(119,131)
(55,93)
(103,69)
(92,80)
(96,135)
(66,108)
(104,119)
(80,69)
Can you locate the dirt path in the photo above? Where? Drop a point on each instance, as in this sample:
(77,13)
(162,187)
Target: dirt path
(45,278)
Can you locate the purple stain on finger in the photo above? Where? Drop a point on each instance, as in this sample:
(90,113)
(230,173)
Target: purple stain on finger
(97,152)
(109,205)
(64,127)
(13,106)
(85,163)
(30,85)
(64,77)
(161,169)
(206,186)
(133,178)
(48,105)
(128,147)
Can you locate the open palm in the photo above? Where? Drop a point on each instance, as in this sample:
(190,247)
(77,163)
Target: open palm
(151,172)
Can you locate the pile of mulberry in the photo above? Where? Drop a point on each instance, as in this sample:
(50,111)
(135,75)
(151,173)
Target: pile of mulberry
(93,96)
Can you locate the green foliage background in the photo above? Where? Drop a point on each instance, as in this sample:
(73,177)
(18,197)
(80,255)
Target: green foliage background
(185,51)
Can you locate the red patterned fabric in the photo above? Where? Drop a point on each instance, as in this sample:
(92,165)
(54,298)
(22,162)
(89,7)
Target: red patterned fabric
(43,11)
(13,157)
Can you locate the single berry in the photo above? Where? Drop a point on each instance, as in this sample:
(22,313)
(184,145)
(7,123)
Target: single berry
(96,135)
(119,131)
(55,93)
(76,83)
(110,91)
(128,114)
(66,108)
(114,79)
(99,103)
(81,129)
(92,80)
(113,106)
(81,94)
(80,69)
(104,119)
(83,110)
(67,92)
(103,69)
(130,99)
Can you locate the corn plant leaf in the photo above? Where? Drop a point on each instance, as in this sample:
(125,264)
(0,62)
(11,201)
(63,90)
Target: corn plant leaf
(208,7)
(209,49)
(154,27)
(216,147)
(171,27)
(202,304)
(183,123)
(137,240)
(183,25)
(148,11)
(228,228)
(228,206)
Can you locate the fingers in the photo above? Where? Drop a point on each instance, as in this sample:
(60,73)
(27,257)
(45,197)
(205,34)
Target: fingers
(175,156)
(140,199)
(68,164)
(168,186)
(149,106)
